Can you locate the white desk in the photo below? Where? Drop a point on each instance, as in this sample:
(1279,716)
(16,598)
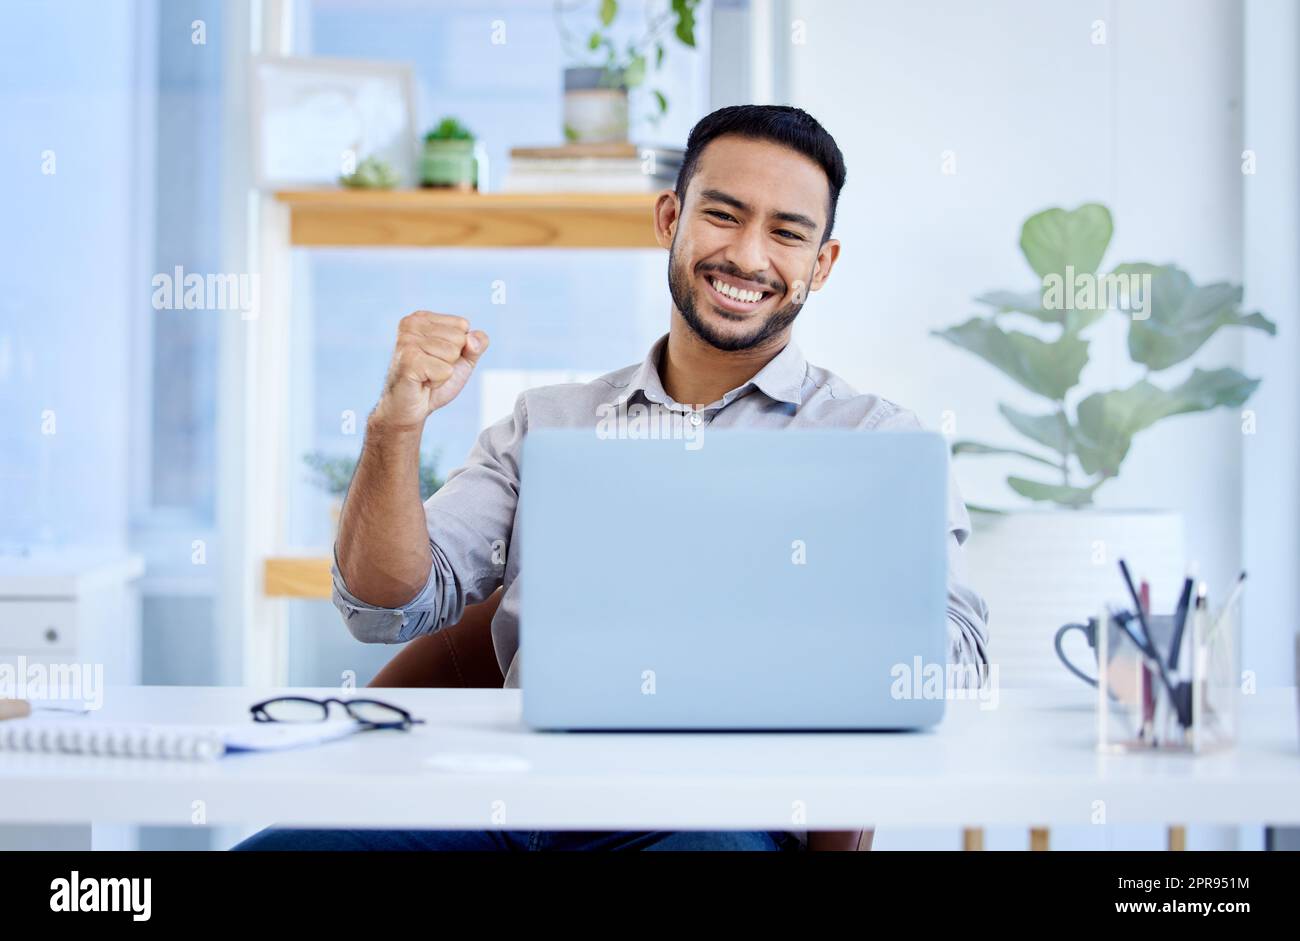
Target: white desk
(1030,761)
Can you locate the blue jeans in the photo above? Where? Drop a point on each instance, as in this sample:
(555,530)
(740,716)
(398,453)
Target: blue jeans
(289,838)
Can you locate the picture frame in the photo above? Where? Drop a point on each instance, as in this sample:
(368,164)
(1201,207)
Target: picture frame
(314,119)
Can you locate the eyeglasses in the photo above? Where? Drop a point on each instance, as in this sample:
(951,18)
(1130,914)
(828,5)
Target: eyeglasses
(371,713)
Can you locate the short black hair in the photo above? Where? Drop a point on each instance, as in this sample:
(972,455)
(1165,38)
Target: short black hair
(781,124)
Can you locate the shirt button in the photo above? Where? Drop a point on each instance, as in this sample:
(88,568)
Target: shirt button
(696,419)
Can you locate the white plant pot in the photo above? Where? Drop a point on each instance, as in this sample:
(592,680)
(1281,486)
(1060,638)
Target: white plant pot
(594,112)
(1040,569)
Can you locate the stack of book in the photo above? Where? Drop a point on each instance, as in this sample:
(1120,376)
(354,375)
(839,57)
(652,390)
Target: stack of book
(592,168)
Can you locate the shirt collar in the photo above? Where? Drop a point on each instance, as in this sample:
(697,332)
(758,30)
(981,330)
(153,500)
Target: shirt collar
(781,379)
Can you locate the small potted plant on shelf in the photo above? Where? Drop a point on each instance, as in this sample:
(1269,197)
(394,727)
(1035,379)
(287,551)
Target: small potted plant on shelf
(596,87)
(332,473)
(448,160)
(372,173)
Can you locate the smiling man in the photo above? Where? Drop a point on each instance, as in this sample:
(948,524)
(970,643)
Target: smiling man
(748,229)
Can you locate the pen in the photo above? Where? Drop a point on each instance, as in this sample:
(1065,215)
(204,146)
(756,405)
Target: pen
(1144,598)
(1148,693)
(1122,618)
(1197,615)
(22,708)
(14,709)
(1148,648)
(1180,620)
(1199,625)
(1141,614)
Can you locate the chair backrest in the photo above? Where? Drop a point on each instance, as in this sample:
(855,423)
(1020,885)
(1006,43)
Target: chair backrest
(461,655)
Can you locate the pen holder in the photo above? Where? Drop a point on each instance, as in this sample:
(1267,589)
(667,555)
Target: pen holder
(1189,707)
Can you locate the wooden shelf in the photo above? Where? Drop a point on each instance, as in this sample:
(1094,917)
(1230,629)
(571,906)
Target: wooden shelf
(297,577)
(437,218)
(432,218)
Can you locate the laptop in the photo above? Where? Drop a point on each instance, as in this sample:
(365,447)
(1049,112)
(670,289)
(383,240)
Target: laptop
(746,580)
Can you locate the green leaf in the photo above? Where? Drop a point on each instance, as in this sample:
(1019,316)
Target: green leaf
(659,55)
(634,74)
(1049,369)
(1049,430)
(685,28)
(608,10)
(975,447)
(1055,238)
(594,40)
(1107,421)
(372,173)
(1026,302)
(570,133)
(1061,494)
(663,102)
(449,128)
(1032,304)
(1182,315)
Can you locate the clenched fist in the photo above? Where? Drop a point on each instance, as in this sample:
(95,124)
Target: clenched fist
(432,361)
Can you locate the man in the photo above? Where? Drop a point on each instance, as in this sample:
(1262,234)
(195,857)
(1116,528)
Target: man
(748,230)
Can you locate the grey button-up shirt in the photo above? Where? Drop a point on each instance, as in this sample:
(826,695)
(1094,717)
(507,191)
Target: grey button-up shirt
(472,520)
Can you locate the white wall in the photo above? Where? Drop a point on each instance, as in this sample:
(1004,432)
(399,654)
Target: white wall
(1037,115)
(1271,250)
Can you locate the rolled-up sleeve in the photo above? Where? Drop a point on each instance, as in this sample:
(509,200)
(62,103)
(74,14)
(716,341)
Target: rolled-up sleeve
(469,521)
(968,614)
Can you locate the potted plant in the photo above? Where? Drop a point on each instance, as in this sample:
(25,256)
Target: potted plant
(1039,570)
(606,69)
(371,173)
(448,158)
(333,475)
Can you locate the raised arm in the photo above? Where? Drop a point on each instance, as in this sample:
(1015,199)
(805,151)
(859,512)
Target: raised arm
(383,550)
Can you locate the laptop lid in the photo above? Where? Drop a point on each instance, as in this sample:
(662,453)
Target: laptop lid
(747,580)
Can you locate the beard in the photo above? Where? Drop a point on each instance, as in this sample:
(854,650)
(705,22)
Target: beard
(682,288)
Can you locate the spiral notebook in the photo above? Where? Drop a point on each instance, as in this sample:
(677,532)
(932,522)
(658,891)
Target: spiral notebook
(83,736)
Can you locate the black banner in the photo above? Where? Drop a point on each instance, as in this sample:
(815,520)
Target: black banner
(332,890)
